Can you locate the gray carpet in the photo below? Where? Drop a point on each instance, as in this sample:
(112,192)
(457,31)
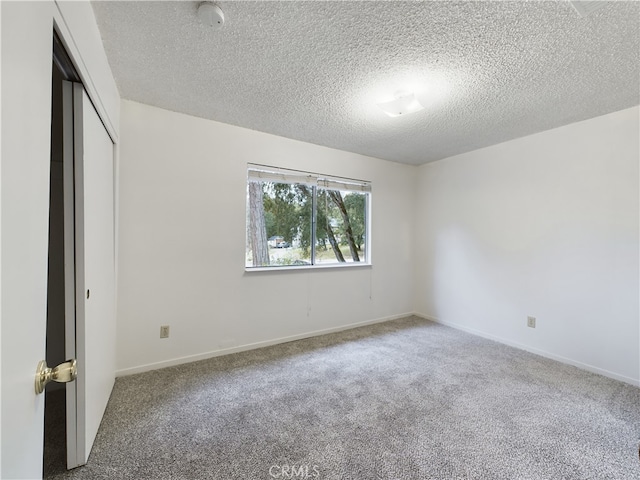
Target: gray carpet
(407,399)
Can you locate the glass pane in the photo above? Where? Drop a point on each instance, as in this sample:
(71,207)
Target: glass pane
(341,227)
(278,224)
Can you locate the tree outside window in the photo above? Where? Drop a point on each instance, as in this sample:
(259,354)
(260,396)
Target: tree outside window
(296,219)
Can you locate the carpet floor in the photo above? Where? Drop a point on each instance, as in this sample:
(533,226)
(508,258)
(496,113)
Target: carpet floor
(405,399)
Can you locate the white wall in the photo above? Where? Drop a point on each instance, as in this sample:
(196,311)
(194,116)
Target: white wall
(0,248)
(182,231)
(27,32)
(545,225)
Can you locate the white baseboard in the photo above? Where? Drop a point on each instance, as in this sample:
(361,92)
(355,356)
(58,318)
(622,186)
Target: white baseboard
(251,346)
(542,353)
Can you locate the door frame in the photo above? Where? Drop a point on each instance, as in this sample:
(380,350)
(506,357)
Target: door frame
(75,104)
(77,72)
(65,15)
(69,189)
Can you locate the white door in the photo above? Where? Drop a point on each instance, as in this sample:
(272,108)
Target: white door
(91,328)
(26,35)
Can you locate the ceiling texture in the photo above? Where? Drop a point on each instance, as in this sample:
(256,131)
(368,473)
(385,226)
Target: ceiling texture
(486,72)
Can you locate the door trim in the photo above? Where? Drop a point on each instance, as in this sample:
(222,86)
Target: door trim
(70,267)
(67,19)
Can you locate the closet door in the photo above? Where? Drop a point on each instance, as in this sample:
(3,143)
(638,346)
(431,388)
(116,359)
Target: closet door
(91,334)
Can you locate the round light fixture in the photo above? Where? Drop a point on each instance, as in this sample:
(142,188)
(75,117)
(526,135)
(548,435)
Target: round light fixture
(210,15)
(403,103)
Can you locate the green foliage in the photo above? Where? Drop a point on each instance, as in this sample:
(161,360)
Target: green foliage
(356,209)
(283,204)
(288,214)
(325,216)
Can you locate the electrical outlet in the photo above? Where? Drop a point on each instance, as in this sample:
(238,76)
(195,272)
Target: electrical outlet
(531,322)
(164,331)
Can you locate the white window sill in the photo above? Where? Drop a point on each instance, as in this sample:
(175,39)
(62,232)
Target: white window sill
(288,268)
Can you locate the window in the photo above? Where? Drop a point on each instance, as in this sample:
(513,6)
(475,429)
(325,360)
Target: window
(298,218)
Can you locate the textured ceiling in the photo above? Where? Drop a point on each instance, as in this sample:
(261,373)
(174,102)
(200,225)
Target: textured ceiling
(486,72)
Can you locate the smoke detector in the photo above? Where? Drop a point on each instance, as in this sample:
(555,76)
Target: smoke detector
(586,7)
(210,15)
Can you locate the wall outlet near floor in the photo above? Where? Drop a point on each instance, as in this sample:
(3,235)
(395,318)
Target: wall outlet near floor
(164,331)
(531,322)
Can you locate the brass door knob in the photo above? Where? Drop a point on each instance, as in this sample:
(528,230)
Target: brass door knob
(63,373)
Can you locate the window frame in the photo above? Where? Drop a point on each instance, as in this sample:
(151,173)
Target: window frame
(315,181)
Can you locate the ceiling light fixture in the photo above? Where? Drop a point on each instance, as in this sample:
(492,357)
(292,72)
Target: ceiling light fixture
(403,103)
(210,15)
